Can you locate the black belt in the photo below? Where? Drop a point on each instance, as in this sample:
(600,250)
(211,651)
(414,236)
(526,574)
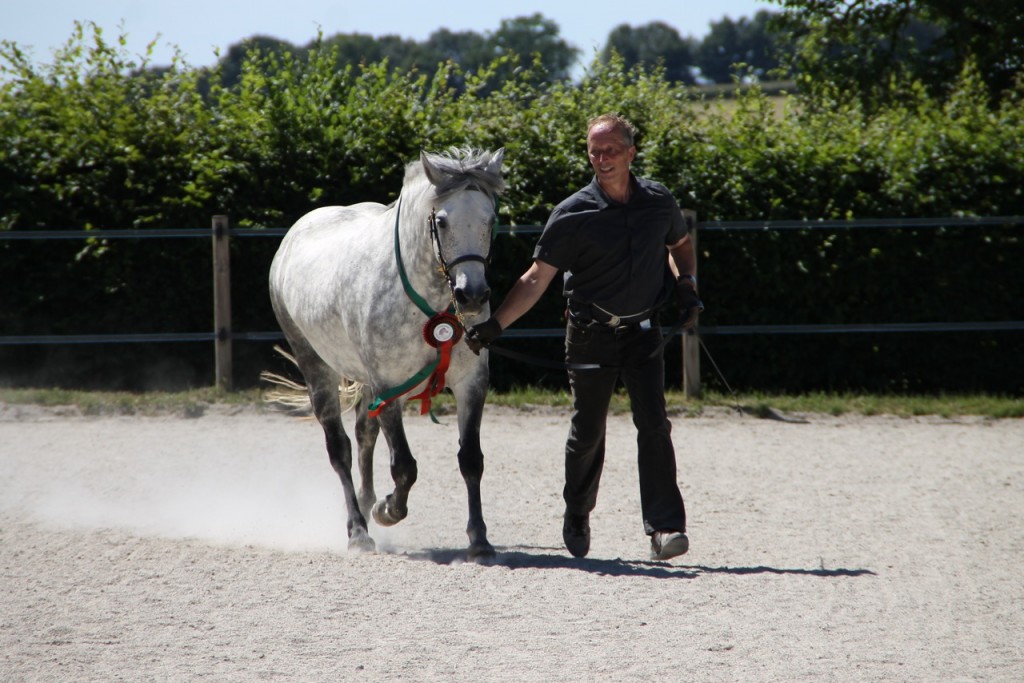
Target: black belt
(573,320)
(618,328)
(589,313)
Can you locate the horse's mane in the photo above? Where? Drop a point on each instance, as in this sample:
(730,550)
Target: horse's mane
(459,168)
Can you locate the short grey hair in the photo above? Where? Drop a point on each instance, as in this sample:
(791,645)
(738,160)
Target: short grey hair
(617,122)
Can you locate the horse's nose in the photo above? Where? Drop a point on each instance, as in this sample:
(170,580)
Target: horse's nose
(470,299)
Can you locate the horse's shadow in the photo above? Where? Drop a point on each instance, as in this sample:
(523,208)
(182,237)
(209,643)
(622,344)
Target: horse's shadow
(530,557)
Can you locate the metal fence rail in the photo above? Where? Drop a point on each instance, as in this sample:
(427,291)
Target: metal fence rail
(222,335)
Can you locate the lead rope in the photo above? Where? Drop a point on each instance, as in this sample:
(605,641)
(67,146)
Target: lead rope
(766,412)
(732,393)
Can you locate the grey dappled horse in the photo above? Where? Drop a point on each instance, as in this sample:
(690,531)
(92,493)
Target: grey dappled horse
(379,296)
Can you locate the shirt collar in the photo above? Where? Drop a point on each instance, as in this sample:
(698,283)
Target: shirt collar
(603,200)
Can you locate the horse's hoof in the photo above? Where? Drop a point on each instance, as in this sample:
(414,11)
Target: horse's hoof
(366,505)
(384,515)
(361,543)
(481,552)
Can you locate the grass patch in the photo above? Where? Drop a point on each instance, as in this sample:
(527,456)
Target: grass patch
(191,403)
(822,403)
(194,403)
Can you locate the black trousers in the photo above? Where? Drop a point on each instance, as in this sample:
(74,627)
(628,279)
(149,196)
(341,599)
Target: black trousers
(621,355)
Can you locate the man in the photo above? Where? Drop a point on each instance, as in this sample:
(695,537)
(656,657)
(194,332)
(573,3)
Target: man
(611,239)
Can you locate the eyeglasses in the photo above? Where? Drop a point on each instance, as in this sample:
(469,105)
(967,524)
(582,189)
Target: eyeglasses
(609,152)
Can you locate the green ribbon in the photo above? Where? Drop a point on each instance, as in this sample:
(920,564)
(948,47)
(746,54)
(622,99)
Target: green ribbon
(410,292)
(390,394)
(385,396)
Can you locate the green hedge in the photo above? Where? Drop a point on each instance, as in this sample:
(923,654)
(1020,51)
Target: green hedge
(93,140)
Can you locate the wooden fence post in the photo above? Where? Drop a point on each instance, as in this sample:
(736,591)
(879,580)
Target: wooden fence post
(691,342)
(222,302)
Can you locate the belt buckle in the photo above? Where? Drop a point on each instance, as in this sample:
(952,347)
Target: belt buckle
(623,328)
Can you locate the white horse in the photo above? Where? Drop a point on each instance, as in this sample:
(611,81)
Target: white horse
(378,297)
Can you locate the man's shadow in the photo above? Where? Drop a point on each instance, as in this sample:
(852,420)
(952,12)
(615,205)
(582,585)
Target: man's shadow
(531,557)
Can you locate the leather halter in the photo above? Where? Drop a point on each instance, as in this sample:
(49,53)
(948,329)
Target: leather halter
(435,239)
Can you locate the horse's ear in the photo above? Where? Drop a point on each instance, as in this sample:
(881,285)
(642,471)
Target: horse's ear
(495,164)
(433,175)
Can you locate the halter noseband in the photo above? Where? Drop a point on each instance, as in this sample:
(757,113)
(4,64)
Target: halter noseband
(446,265)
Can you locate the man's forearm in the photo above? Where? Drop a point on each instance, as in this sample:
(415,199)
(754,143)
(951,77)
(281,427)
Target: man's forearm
(525,293)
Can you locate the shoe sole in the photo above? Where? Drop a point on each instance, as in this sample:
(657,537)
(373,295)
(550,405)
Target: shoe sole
(674,548)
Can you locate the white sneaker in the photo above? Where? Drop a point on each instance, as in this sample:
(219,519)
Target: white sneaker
(668,544)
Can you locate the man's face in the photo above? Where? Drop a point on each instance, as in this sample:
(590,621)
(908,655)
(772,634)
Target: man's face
(610,156)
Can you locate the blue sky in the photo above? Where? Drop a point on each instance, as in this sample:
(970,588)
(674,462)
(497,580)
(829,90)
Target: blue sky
(200,26)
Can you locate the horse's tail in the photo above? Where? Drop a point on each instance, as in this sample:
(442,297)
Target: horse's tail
(294,396)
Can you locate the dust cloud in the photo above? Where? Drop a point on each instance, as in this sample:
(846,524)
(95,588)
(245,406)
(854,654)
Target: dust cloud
(276,494)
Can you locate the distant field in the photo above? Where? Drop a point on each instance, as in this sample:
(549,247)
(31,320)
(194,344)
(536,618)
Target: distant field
(722,98)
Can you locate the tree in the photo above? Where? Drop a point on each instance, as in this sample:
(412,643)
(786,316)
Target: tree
(362,48)
(468,49)
(535,35)
(753,42)
(653,44)
(991,33)
(230,65)
(863,45)
(523,37)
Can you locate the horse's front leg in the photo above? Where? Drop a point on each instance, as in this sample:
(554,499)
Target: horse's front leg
(394,508)
(470,404)
(367,430)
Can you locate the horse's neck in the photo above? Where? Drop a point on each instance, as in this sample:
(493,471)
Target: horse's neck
(418,259)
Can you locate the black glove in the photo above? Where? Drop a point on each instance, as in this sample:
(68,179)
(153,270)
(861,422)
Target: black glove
(481,335)
(689,303)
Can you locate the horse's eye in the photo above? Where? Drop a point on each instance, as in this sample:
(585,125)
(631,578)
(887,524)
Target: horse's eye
(442,221)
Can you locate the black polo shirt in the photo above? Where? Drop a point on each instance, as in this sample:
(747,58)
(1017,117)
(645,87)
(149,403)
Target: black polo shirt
(614,255)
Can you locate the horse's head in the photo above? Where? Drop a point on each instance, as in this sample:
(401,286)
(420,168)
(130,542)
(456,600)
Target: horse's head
(463,220)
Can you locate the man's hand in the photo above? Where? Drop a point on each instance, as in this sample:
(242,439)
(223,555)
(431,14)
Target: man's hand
(689,303)
(481,335)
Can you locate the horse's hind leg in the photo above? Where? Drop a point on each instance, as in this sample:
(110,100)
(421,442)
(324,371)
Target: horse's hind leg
(327,406)
(367,430)
(394,508)
(322,383)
